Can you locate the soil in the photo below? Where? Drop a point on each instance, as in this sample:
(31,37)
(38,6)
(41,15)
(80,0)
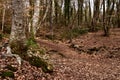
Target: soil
(89,57)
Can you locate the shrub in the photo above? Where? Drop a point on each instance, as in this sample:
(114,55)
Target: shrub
(75,32)
(31,41)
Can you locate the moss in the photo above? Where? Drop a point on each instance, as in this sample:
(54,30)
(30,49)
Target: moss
(7,74)
(9,67)
(39,62)
(31,41)
(75,32)
(19,48)
(32,44)
(34,47)
(42,51)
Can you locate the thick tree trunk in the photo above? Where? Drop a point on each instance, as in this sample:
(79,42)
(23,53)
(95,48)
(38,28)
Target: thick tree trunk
(17,36)
(18,21)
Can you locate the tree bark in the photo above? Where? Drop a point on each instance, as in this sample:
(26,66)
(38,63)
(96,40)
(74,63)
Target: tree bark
(17,37)
(95,15)
(3,17)
(80,11)
(36,16)
(18,21)
(67,11)
(118,14)
(27,15)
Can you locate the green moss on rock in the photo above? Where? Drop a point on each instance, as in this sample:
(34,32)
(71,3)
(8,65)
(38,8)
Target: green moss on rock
(20,48)
(39,62)
(7,74)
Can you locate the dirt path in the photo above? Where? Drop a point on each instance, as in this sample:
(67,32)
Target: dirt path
(77,66)
(59,48)
(74,63)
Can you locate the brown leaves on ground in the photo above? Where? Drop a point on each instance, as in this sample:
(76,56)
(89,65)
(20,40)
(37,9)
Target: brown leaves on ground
(91,57)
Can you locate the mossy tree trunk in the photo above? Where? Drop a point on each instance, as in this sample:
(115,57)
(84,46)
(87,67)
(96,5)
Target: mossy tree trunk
(17,36)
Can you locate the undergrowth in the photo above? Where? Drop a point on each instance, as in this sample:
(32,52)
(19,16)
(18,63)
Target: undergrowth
(75,32)
(34,49)
(39,62)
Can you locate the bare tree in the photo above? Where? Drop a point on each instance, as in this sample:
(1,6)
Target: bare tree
(90,13)
(118,13)
(80,11)
(27,15)
(36,16)
(108,16)
(3,18)
(95,15)
(67,11)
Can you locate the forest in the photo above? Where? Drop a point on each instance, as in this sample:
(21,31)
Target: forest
(59,39)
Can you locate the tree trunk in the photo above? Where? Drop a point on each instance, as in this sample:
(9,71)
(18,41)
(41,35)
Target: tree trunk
(108,17)
(56,11)
(36,16)
(27,15)
(17,36)
(90,14)
(95,15)
(104,23)
(18,21)
(118,14)
(67,12)
(3,17)
(52,15)
(80,11)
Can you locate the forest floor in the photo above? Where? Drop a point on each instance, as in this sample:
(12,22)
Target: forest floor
(88,57)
